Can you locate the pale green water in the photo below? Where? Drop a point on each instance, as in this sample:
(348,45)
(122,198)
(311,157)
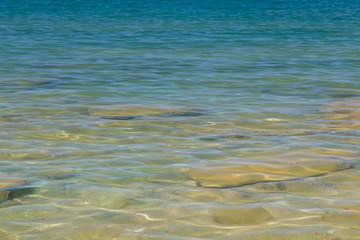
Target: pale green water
(179,120)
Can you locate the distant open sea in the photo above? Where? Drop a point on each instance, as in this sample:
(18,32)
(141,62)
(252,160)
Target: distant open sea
(180,120)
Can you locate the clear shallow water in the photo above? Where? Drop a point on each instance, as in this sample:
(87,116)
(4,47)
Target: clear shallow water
(179,120)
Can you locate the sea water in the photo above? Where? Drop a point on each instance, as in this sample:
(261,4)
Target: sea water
(179,119)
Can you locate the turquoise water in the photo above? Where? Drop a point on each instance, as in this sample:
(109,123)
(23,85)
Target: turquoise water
(179,119)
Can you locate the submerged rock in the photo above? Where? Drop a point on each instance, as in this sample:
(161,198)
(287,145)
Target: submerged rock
(105,199)
(7,236)
(95,232)
(56,174)
(201,194)
(230,136)
(21,191)
(238,175)
(4,195)
(343,218)
(241,216)
(295,232)
(13,188)
(7,183)
(342,114)
(129,112)
(120,117)
(185,113)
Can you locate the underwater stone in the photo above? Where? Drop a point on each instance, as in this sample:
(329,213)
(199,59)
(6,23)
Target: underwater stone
(4,196)
(232,137)
(7,186)
(140,110)
(297,232)
(21,191)
(7,183)
(167,178)
(344,217)
(105,199)
(120,117)
(201,194)
(129,112)
(238,175)
(166,114)
(342,114)
(7,236)
(57,174)
(181,114)
(241,216)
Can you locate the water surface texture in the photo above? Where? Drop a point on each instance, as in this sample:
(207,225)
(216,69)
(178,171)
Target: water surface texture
(179,120)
